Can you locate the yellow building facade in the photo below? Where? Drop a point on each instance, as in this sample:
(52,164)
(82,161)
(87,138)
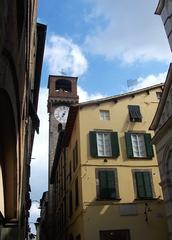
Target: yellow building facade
(105,173)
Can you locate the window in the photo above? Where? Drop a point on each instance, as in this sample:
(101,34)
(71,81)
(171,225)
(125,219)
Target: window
(104,144)
(70,204)
(76,193)
(75,157)
(106,180)
(138,145)
(158,95)
(70,171)
(104,115)
(122,234)
(63,84)
(143,182)
(134,113)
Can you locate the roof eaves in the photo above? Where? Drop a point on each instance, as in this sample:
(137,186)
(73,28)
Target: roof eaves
(70,123)
(116,97)
(160,7)
(161,104)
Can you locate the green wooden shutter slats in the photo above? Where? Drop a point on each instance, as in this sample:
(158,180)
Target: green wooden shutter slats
(93,144)
(148,187)
(107,184)
(129,147)
(140,184)
(114,144)
(102,185)
(149,147)
(134,112)
(143,184)
(111,184)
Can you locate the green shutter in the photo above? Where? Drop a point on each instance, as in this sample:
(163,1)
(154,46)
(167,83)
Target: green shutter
(140,184)
(103,188)
(114,144)
(129,147)
(93,144)
(148,186)
(134,112)
(143,184)
(107,185)
(149,147)
(111,184)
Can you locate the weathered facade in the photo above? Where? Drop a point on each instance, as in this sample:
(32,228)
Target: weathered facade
(21,53)
(162,125)
(105,173)
(42,221)
(164,9)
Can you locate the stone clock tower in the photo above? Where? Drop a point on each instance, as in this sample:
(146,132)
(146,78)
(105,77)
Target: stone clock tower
(62,94)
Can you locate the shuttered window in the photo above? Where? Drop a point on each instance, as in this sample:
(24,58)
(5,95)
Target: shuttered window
(104,144)
(143,184)
(75,156)
(76,193)
(134,113)
(106,184)
(138,145)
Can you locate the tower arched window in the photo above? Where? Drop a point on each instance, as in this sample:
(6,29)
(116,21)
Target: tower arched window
(63,84)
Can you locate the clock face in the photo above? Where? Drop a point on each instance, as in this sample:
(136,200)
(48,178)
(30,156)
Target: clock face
(61,113)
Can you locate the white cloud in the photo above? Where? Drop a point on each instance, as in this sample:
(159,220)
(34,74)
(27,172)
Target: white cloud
(149,81)
(85,96)
(62,55)
(130,31)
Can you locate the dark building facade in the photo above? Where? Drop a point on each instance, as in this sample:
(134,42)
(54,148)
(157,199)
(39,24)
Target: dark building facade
(21,53)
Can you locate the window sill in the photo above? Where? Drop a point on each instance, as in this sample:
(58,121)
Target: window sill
(105,157)
(140,158)
(146,199)
(108,200)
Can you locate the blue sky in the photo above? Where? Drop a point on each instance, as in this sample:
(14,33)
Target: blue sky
(104,43)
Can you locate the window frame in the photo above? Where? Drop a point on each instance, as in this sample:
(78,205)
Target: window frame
(137,191)
(147,143)
(134,113)
(104,115)
(103,140)
(113,142)
(138,145)
(116,190)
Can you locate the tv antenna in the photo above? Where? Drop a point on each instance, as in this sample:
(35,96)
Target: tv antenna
(132,82)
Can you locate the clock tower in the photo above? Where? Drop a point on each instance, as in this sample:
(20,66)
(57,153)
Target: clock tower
(62,94)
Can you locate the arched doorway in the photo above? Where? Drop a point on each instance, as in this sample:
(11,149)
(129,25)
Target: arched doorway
(8,158)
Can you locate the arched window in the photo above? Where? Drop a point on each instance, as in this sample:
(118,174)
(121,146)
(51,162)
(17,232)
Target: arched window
(63,84)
